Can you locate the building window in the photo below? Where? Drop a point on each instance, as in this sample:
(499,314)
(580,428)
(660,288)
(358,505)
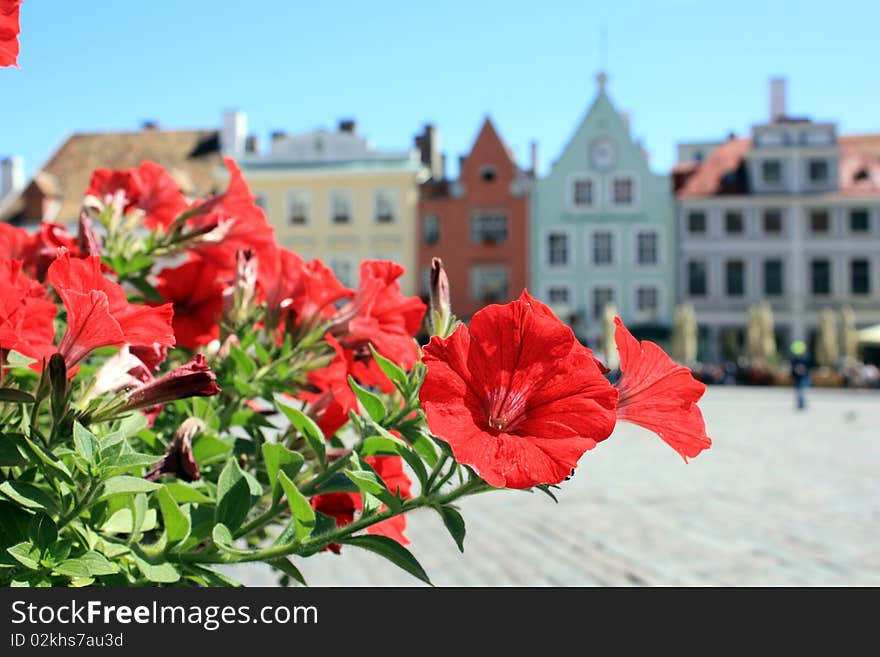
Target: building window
(820,221)
(558,295)
(771,171)
(647,299)
(697,278)
(488,228)
(860,276)
(859,221)
(298,207)
(733,222)
(646,247)
(340,207)
(603,247)
(817,170)
(735,278)
(820,276)
(696,223)
(489,283)
(602,296)
(772,222)
(343,269)
(773,277)
(557,249)
(431,228)
(582,192)
(623,190)
(488,173)
(384,205)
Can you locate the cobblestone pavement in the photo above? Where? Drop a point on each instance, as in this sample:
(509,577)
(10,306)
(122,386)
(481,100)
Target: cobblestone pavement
(783,498)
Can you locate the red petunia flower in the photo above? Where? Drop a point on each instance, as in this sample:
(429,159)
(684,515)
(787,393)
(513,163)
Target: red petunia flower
(26,314)
(343,506)
(380,315)
(160,197)
(302,291)
(17,243)
(9,31)
(329,396)
(197,296)
(232,221)
(660,395)
(516,396)
(110,185)
(98,313)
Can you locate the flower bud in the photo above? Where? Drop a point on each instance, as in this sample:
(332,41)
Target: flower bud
(440,315)
(179,460)
(195,379)
(89,241)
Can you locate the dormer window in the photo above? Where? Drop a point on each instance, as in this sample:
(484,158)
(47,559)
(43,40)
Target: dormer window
(488,173)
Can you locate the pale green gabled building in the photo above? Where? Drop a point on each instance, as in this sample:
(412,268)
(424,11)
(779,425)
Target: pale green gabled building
(602,230)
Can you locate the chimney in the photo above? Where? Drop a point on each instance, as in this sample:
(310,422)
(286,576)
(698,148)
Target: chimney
(252,145)
(232,135)
(149,124)
(777,99)
(348,126)
(534,159)
(428,145)
(11,175)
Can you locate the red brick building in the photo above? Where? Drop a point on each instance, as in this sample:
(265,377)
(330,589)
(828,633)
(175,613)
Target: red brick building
(478,225)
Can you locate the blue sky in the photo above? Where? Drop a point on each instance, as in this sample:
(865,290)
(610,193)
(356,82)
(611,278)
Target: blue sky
(685,69)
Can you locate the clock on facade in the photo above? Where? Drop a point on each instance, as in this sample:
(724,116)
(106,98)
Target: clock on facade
(602,153)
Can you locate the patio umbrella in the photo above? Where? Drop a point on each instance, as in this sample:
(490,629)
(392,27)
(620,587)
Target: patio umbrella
(607,346)
(684,334)
(869,335)
(754,335)
(827,349)
(850,335)
(768,332)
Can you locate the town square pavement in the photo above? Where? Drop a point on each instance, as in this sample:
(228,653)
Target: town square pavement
(783,498)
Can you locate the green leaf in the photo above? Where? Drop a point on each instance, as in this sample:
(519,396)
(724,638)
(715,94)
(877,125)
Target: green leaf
(418,467)
(392,370)
(28,496)
(222,538)
(85,442)
(454,523)
(183,493)
(177,523)
(27,554)
(423,445)
(43,531)
(71,568)
(286,566)
(122,522)
(369,402)
(366,481)
(300,508)
(16,396)
(278,458)
(390,444)
(307,427)
(391,550)
(10,453)
(207,447)
(132,460)
(243,363)
(139,515)
(126,484)
(163,573)
(233,496)
(50,463)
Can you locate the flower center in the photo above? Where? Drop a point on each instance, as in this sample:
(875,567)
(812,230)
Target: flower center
(505,409)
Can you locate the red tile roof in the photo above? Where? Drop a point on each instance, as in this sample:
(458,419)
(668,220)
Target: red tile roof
(708,177)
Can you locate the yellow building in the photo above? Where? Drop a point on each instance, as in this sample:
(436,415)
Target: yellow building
(333,196)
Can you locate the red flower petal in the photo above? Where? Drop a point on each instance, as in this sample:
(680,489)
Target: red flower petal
(9,31)
(515,396)
(197,297)
(660,395)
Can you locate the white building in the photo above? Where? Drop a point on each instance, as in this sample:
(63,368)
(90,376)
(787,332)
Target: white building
(790,215)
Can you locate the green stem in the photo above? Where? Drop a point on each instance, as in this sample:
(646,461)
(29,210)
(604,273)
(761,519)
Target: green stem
(435,472)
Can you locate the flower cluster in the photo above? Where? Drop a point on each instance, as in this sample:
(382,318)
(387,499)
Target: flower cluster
(178,383)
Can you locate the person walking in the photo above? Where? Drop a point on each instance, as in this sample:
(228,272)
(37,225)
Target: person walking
(800,372)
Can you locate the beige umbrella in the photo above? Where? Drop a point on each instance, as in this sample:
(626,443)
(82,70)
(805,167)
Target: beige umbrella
(607,346)
(869,335)
(827,349)
(754,335)
(684,335)
(768,332)
(850,335)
